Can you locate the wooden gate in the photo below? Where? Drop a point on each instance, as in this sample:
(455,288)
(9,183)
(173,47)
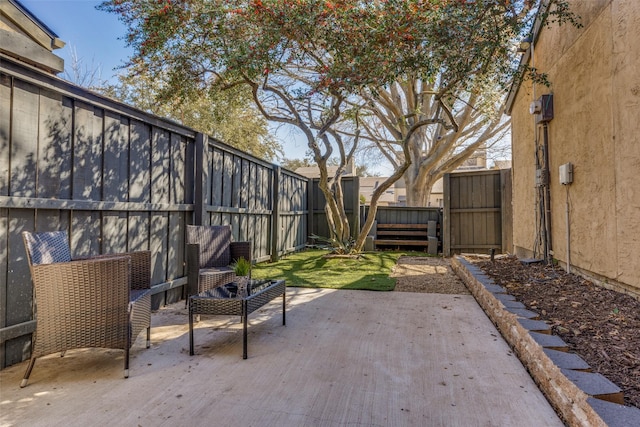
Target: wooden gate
(477,212)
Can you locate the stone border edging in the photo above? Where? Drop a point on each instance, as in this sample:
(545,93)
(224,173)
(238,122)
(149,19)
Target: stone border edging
(567,399)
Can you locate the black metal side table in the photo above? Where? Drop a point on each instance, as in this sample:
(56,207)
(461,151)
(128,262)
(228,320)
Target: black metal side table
(223,300)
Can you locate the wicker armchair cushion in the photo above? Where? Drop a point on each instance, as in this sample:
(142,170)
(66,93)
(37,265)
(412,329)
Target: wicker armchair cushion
(48,248)
(214,244)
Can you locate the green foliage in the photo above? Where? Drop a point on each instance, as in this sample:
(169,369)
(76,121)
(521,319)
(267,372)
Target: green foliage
(241,267)
(334,46)
(228,115)
(313,269)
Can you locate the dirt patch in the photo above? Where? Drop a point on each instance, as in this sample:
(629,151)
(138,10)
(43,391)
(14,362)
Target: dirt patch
(426,275)
(600,325)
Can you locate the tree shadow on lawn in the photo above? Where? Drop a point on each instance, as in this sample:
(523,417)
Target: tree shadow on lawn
(312,269)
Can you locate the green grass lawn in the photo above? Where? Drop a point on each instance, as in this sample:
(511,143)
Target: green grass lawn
(310,269)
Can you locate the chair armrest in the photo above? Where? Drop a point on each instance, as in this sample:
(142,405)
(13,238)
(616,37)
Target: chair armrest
(140,267)
(240,249)
(83,288)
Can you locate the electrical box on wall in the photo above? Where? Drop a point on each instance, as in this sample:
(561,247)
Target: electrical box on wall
(542,177)
(542,108)
(566,174)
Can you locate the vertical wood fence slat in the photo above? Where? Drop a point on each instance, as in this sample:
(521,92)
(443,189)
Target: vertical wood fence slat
(4,272)
(5,126)
(140,168)
(507,210)
(54,151)
(19,298)
(446,216)
(275,217)
(5,149)
(201,180)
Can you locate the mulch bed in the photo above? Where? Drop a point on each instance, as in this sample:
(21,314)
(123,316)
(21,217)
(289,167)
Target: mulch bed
(600,325)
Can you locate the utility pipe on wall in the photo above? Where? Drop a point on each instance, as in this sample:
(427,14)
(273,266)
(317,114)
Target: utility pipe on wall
(568,233)
(546,195)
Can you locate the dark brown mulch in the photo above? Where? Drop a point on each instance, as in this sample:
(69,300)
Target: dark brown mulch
(600,325)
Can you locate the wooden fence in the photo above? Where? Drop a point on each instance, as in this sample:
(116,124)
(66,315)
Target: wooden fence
(262,202)
(406,215)
(477,212)
(119,179)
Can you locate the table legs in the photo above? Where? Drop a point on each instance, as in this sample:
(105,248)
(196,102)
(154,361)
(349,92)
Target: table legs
(245,320)
(191,352)
(244,313)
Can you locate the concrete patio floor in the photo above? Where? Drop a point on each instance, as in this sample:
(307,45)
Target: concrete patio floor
(345,358)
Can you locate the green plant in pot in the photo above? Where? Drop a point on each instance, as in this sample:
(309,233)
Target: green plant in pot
(242,268)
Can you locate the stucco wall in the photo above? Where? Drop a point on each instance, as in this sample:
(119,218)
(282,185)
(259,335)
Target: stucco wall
(596,126)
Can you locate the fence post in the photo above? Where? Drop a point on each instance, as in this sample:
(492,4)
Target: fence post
(506,210)
(311,227)
(355,227)
(275,215)
(446,216)
(201,180)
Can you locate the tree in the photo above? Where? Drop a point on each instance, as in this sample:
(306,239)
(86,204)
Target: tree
(305,59)
(434,150)
(82,74)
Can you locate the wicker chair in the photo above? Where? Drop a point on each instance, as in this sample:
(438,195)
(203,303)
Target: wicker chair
(210,252)
(103,301)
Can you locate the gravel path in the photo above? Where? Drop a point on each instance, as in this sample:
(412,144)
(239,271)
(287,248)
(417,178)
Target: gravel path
(427,275)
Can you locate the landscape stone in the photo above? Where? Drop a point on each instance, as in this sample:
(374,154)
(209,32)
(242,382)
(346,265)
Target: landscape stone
(549,341)
(565,360)
(614,414)
(535,325)
(596,385)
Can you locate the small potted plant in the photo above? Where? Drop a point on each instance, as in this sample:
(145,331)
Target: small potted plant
(242,268)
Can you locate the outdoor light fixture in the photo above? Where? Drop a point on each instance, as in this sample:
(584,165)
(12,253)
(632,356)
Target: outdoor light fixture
(525,44)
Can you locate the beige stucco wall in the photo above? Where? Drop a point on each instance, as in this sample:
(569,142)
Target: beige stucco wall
(595,76)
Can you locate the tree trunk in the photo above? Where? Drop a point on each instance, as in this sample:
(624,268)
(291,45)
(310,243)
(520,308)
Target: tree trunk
(373,207)
(419,189)
(339,228)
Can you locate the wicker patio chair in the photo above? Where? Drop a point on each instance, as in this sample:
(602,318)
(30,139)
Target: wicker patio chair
(103,301)
(210,253)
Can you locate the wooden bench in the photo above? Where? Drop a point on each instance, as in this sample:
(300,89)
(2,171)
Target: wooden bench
(408,235)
